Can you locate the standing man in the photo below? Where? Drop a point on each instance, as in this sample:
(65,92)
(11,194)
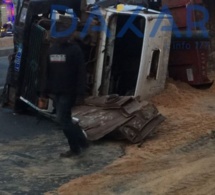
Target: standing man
(66,80)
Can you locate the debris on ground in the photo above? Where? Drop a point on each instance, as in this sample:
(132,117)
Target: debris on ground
(125,116)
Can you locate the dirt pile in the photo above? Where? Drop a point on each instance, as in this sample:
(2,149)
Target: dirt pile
(174,161)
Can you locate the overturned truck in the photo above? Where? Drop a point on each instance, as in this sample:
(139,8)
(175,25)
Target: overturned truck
(126,54)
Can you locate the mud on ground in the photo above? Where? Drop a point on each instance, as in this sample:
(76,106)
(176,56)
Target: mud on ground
(179,159)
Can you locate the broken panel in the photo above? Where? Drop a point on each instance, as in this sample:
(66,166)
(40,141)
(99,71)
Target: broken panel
(126,117)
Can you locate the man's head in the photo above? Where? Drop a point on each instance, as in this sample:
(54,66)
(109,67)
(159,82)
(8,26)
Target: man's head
(57,32)
(64,27)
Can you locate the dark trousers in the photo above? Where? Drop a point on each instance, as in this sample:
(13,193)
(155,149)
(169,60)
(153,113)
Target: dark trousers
(73,132)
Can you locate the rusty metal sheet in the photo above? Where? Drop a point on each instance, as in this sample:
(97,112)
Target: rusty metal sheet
(142,124)
(132,119)
(136,130)
(110,101)
(131,107)
(98,122)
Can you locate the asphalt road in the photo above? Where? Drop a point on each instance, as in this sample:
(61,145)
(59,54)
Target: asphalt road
(3,70)
(30,148)
(29,156)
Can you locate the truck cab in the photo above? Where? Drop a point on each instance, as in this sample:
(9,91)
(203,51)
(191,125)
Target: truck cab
(128,55)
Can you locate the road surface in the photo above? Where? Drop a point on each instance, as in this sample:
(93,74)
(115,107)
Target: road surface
(29,155)
(3,70)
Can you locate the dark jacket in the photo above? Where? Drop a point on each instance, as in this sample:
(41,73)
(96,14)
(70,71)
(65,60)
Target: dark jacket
(66,71)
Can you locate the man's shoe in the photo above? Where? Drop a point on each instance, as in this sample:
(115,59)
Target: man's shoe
(84,145)
(69,154)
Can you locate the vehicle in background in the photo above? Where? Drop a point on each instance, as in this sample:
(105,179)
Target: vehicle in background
(6,29)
